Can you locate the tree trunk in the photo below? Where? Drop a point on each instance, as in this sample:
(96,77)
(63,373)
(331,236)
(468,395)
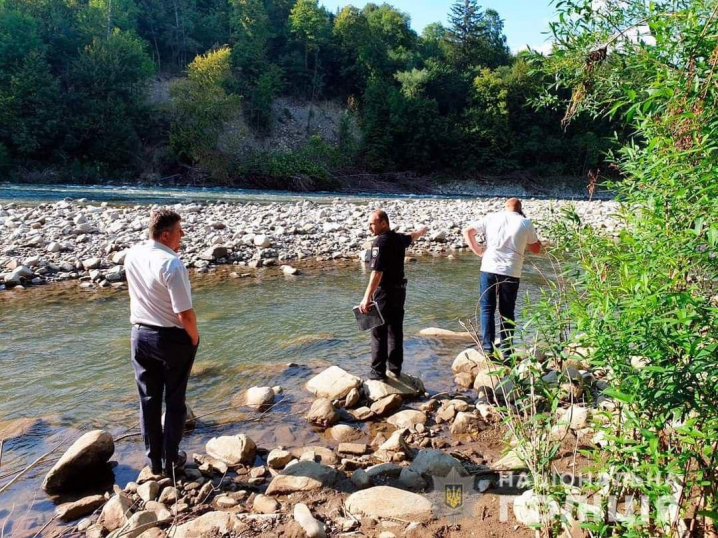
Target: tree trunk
(109,18)
(314,88)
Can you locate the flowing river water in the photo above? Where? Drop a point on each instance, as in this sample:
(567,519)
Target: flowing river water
(65,364)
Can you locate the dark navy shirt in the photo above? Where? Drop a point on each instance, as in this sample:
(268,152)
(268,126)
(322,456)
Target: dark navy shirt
(387,256)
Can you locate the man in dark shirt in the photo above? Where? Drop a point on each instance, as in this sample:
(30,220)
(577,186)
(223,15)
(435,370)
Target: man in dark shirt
(387,287)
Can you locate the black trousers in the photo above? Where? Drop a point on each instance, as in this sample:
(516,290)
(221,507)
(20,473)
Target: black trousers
(387,341)
(162,359)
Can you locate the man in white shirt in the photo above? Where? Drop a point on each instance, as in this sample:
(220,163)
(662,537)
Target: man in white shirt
(164,337)
(507,236)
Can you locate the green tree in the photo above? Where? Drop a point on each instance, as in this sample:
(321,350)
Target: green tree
(486,121)
(59,28)
(475,36)
(202,106)
(30,112)
(402,132)
(101,17)
(106,102)
(310,24)
(250,32)
(434,41)
(30,107)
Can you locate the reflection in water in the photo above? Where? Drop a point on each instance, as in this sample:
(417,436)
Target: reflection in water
(65,358)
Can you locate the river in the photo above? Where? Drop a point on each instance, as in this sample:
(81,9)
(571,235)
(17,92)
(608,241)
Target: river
(66,369)
(133,194)
(65,351)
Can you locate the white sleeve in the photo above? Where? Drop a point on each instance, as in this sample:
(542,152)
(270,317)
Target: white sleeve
(479,226)
(532,237)
(178,285)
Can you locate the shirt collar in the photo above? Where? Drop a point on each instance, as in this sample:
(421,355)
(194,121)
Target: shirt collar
(157,244)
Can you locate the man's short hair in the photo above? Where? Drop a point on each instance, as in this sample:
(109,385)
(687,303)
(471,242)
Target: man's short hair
(382,215)
(514,204)
(162,220)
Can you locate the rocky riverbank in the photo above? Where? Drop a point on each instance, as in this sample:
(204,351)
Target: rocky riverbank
(391,486)
(76,240)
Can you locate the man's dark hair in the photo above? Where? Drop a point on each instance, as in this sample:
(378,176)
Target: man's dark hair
(162,220)
(382,215)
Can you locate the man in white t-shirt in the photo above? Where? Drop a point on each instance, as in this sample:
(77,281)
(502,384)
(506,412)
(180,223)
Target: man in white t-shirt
(164,338)
(507,236)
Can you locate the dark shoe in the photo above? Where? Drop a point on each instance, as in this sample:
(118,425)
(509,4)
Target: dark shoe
(396,374)
(156,468)
(377,376)
(172,468)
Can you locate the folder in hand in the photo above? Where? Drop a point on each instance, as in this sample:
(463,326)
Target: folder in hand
(370,320)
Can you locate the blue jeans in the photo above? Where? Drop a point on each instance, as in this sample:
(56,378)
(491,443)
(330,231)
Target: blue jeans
(506,288)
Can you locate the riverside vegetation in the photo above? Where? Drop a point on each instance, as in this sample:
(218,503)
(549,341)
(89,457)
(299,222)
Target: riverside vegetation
(75,100)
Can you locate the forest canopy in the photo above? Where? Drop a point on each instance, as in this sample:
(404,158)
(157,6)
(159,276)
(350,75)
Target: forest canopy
(75,75)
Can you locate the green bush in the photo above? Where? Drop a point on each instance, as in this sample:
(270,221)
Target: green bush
(645,302)
(308,168)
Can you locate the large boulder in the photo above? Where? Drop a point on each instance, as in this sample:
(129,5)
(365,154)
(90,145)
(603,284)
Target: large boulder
(333,383)
(91,451)
(509,462)
(386,405)
(214,253)
(396,442)
(75,510)
(209,524)
(263,504)
(323,454)
(384,502)
(576,417)
(344,433)
(445,334)
(302,476)
(312,527)
(432,462)
(323,413)
(470,361)
(257,397)
(278,458)
(486,378)
(115,512)
(466,422)
(408,418)
(232,449)
(406,386)
(138,523)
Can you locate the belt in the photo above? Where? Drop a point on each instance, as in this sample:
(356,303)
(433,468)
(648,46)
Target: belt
(398,286)
(156,328)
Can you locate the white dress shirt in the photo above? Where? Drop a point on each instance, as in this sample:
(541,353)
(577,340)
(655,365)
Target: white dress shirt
(507,234)
(159,285)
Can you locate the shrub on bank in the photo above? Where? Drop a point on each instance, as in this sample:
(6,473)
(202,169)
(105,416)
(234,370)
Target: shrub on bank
(645,301)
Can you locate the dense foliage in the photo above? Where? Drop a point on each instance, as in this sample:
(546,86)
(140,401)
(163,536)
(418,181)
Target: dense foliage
(74,80)
(644,305)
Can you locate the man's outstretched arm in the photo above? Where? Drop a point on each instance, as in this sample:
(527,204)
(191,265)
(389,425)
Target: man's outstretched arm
(416,234)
